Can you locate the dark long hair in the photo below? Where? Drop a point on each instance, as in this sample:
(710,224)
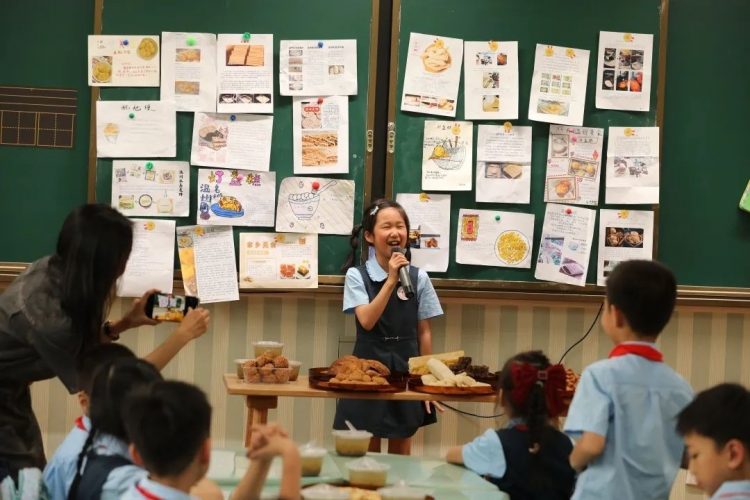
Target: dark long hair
(111,385)
(369,219)
(534,412)
(92,250)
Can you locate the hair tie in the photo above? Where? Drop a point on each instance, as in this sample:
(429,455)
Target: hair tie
(374,210)
(552,381)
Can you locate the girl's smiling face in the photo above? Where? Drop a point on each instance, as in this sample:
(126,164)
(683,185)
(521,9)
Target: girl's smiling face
(390,230)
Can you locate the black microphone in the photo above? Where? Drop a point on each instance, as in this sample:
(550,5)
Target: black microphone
(403,275)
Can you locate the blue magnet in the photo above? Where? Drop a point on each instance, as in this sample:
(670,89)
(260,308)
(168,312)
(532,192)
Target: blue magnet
(233,117)
(320,45)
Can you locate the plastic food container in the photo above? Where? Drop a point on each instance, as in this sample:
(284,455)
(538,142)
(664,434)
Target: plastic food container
(294,366)
(400,491)
(255,375)
(271,346)
(239,362)
(312,459)
(367,473)
(352,443)
(324,491)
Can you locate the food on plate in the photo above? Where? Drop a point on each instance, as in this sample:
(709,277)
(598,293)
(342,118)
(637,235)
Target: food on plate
(512,247)
(189,88)
(633,238)
(436,57)
(551,107)
(255,55)
(147,49)
(237,55)
(267,368)
(635,86)
(188,55)
(303,269)
(418,364)
(354,370)
(442,376)
(126,201)
(512,170)
(286,271)
(445,104)
(431,243)
(213,137)
(145,200)
(572,269)
(562,188)
(230,204)
(614,237)
(490,103)
(102,70)
(262,98)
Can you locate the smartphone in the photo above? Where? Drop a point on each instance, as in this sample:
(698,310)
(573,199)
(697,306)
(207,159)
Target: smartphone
(167,307)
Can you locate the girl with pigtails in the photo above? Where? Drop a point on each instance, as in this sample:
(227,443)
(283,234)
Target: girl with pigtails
(528,458)
(391,326)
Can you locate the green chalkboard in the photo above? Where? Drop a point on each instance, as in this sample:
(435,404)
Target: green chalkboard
(42,44)
(287,20)
(550,22)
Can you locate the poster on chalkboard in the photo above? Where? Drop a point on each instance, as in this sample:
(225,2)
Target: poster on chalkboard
(491,80)
(558,85)
(136,129)
(447,156)
(503,164)
(123,61)
(244,73)
(151,261)
(188,65)
(320,130)
(235,197)
(318,67)
(632,165)
(151,188)
(565,246)
(623,71)
(623,235)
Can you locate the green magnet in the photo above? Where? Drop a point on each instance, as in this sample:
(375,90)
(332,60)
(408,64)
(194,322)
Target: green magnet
(497,218)
(190,42)
(149,166)
(246,36)
(131,115)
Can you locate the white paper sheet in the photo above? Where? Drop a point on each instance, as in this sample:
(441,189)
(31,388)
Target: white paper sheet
(320,130)
(498,239)
(245,73)
(433,71)
(278,260)
(315,205)
(123,61)
(235,197)
(633,165)
(503,164)
(623,71)
(188,62)
(209,269)
(151,261)
(429,233)
(574,160)
(446,156)
(151,188)
(136,129)
(565,246)
(318,67)
(232,141)
(558,85)
(623,235)
(490,80)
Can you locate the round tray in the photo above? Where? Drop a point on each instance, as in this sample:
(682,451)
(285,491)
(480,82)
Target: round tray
(416,385)
(319,378)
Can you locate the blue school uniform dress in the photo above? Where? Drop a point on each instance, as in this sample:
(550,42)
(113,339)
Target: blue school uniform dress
(632,399)
(732,490)
(146,489)
(502,457)
(109,472)
(61,469)
(392,341)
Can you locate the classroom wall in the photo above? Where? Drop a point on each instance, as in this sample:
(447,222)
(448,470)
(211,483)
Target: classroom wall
(712,345)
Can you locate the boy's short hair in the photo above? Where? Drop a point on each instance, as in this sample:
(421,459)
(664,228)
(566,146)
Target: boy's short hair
(168,422)
(96,357)
(645,291)
(720,413)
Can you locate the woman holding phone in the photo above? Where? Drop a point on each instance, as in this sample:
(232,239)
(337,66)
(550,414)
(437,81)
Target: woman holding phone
(55,311)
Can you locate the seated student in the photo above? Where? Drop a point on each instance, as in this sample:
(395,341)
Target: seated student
(61,469)
(716,428)
(622,414)
(528,459)
(267,442)
(109,471)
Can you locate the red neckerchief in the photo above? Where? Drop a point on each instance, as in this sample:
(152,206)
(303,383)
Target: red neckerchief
(642,350)
(146,494)
(521,427)
(80,425)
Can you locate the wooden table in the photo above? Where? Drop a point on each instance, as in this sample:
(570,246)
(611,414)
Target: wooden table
(262,397)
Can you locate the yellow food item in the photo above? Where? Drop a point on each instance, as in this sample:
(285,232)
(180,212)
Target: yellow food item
(102,71)
(147,49)
(438,152)
(436,57)
(230,203)
(512,247)
(418,364)
(439,369)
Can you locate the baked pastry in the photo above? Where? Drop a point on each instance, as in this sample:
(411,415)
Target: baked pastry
(436,57)
(254,56)
(512,170)
(237,55)
(230,203)
(562,188)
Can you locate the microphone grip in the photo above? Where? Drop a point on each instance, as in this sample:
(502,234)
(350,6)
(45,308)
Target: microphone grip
(405,279)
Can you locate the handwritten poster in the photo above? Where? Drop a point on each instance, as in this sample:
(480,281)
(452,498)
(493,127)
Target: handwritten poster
(565,246)
(207,262)
(320,128)
(446,156)
(123,61)
(315,205)
(136,129)
(503,164)
(232,141)
(236,197)
(558,85)
(574,159)
(490,238)
(151,261)
(429,231)
(278,260)
(633,165)
(151,188)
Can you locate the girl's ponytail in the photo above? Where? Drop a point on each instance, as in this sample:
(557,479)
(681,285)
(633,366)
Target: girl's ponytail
(87,445)
(354,242)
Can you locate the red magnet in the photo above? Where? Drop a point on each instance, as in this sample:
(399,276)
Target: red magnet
(320,100)
(569,211)
(316,185)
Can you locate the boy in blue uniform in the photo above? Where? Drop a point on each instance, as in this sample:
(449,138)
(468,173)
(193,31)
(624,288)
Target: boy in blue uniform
(716,428)
(624,409)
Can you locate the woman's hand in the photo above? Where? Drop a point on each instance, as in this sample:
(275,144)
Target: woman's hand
(137,315)
(194,324)
(429,404)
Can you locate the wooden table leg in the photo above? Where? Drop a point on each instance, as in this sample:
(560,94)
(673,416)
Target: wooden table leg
(257,412)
